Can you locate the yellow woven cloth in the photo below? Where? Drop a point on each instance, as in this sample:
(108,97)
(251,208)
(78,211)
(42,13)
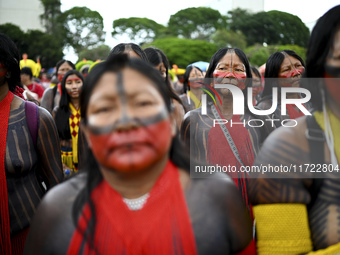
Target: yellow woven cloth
(330,250)
(282,229)
(74,121)
(335,126)
(67,158)
(195,99)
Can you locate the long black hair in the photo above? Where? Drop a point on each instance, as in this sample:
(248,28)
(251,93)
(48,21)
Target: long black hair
(59,63)
(215,60)
(273,66)
(186,75)
(319,45)
(155,57)
(9,57)
(177,154)
(122,47)
(63,113)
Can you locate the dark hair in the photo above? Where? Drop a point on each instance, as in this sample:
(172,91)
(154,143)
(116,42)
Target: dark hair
(122,47)
(255,71)
(60,62)
(63,113)
(27,70)
(186,75)
(218,56)
(273,66)
(320,42)
(155,57)
(9,57)
(178,154)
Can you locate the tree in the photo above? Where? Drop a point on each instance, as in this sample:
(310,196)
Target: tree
(228,38)
(196,23)
(100,52)
(183,52)
(258,54)
(83,28)
(15,33)
(272,27)
(44,46)
(50,16)
(138,29)
(290,28)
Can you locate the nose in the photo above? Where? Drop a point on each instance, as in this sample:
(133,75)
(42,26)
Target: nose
(127,121)
(296,72)
(230,75)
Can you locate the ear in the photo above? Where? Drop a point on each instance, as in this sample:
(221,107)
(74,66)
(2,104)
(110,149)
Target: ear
(85,132)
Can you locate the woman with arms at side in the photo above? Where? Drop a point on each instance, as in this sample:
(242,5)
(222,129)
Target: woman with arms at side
(136,195)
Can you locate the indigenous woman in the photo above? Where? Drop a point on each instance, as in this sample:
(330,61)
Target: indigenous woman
(304,210)
(29,159)
(256,84)
(51,96)
(283,69)
(131,49)
(192,80)
(158,59)
(136,196)
(232,142)
(67,118)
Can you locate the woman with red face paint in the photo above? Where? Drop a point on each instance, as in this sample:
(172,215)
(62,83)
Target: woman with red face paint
(136,195)
(67,119)
(29,159)
(304,206)
(283,69)
(234,142)
(51,96)
(159,60)
(192,87)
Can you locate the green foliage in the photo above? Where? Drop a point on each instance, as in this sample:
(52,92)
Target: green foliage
(50,16)
(83,28)
(15,33)
(100,52)
(196,23)
(138,28)
(258,54)
(228,38)
(35,43)
(183,52)
(44,46)
(272,27)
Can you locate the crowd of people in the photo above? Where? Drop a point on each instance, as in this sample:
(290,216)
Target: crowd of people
(121,157)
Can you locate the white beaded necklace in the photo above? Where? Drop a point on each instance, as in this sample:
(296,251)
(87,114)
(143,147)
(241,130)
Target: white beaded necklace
(136,203)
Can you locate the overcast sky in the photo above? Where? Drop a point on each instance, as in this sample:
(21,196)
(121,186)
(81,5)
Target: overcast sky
(308,10)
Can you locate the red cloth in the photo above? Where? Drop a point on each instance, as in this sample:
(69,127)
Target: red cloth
(162,226)
(5,241)
(219,152)
(18,92)
(36,88)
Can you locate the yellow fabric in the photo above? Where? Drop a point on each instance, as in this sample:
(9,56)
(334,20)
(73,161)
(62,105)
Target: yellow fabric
(52,85)
(335,126)
(282,229)
(196,101)
(35,67)
(67,158)
(74,121)
(330,250)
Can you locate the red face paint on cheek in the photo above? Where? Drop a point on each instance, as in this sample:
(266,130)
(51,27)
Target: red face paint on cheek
(60,77)
(3,70)
(133,150)
(333,87)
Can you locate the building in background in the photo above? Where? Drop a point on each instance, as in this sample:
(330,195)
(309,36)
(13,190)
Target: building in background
(23,13)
